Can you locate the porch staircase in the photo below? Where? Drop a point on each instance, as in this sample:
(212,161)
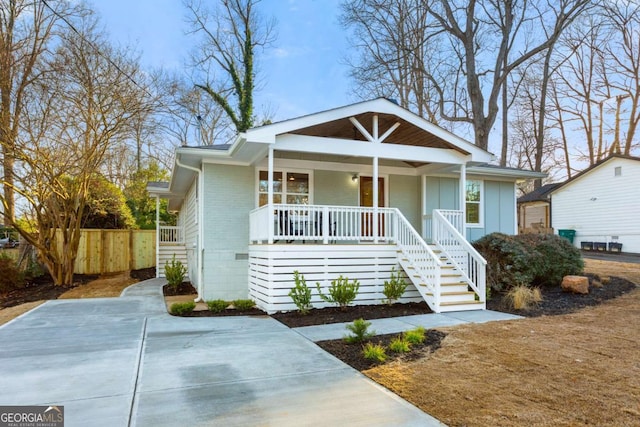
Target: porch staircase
(166,253)
(455,293)
(448,273)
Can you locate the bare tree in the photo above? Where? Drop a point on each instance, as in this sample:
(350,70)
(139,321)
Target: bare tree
(623,68)
(27,29)
(76,112)
(475,44)
(230,37)
(390,54)
(525,151)
(190,116)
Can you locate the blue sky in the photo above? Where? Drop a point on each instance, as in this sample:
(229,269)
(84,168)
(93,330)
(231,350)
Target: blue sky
(303,72)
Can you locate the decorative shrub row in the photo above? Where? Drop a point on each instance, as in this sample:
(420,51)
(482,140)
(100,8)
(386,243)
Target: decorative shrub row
(219,305)
(342,292)
(528,259)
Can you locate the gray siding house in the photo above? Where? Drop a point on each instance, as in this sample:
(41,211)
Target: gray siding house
(355,191)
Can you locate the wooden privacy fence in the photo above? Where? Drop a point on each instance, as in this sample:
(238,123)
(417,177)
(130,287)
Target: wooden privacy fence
(112,251)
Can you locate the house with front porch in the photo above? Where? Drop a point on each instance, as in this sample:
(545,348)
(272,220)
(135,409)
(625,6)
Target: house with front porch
(356,191)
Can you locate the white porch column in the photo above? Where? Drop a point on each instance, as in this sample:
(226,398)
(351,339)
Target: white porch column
(375,200)
(463,198)
(270,196)
(157,236)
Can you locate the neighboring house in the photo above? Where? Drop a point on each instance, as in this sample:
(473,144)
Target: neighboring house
(534,210)
(602,204)
(354,191)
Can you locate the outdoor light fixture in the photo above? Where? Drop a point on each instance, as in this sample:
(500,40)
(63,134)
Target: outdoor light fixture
(354,178)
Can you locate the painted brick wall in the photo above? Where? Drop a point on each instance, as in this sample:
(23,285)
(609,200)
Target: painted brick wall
(229,197)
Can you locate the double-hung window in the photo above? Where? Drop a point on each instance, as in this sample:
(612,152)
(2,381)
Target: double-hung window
(288,187)
(474,202)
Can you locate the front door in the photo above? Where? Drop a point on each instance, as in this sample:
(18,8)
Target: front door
(366,200)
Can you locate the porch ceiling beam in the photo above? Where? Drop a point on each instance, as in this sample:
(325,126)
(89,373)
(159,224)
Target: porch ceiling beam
(389,131)
(361,129)
(346,147)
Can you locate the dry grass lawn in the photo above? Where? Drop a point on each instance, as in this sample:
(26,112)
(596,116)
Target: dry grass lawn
(576,369)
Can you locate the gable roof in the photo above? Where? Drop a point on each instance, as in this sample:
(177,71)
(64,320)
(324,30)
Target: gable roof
(539,195)
(413,130)
(594,166)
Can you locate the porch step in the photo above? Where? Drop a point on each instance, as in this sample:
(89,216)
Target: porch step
(166,254)
(446,307)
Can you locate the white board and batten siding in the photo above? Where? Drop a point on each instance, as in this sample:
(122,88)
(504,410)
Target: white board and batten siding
(271,270)
(602,206)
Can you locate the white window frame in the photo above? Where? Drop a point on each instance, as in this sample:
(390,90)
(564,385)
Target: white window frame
(284,172)
(480,223)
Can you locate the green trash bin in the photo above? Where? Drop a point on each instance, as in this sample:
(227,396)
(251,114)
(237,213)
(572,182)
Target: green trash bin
(567,234)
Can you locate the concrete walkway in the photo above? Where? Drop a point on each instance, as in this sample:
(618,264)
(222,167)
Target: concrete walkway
(125,361)
(405,323)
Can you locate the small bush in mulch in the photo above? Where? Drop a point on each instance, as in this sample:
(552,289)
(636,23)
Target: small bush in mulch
(351,354)
(182,308)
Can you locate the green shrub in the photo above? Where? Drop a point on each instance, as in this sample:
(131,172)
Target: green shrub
(394,287)
(11,278)
(174,272)
(528,259)
(301,293)
(374,352)
(509,260)
(400,345)
(182,308)
(243,304)
(217,305)
(559,258)
(341,292)
(359,328)
(415,336)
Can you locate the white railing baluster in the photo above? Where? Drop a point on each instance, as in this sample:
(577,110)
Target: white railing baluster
(171,234)
(461,253)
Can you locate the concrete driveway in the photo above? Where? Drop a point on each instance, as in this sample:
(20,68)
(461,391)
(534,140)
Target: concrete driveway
(125,361)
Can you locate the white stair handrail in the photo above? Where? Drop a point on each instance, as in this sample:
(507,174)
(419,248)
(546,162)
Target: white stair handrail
(461,253)
(419,255)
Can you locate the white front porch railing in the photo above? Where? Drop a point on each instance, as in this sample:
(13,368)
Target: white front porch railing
(171,234)
(460,252)
(320,223)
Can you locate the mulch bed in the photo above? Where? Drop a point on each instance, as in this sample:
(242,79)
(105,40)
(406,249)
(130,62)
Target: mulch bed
(556,302)
(187,288)
(323,316)
(351,354)
(41,288)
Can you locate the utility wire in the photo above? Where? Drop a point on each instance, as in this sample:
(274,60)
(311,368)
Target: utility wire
(107,58)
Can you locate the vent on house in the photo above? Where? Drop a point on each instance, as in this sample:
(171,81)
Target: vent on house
(618,171)
(242,256)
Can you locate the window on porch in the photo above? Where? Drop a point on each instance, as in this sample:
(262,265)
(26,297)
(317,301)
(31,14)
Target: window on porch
(474,202)
(293,189)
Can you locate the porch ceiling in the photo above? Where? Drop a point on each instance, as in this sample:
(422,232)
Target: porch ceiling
(406,134)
